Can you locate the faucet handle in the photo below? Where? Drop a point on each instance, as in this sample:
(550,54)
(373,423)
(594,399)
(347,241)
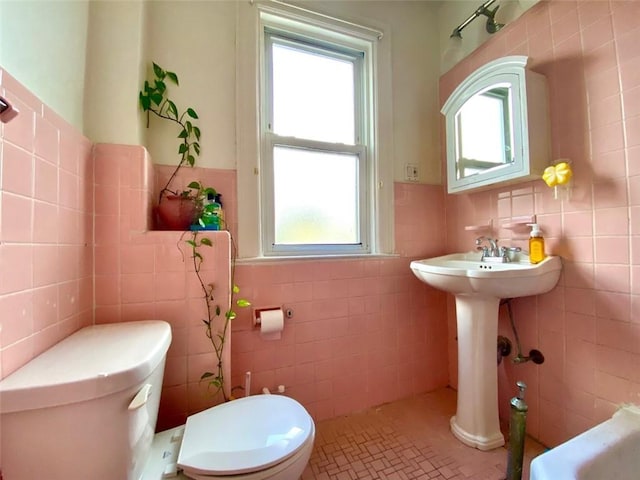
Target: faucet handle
(479,241)
(510,249)
(504,252)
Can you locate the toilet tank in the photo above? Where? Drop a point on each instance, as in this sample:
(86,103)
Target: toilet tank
(87,407)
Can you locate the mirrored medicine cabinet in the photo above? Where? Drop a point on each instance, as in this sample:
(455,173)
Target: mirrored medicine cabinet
(497,127)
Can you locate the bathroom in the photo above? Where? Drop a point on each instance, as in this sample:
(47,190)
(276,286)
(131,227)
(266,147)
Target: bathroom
(364,331)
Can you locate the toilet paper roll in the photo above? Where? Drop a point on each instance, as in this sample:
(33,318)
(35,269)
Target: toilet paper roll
(271,324)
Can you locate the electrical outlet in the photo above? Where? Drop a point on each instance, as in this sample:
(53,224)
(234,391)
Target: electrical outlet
(412,172)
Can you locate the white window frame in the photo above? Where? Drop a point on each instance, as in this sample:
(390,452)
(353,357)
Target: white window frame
(252,21)
(359,149)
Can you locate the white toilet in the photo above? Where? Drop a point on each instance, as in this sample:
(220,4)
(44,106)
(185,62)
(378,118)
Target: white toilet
(87,408)
(252,438)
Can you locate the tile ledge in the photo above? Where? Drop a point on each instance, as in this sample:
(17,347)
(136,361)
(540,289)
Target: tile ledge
(375,256)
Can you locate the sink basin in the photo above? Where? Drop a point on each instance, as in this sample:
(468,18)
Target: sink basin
(464,273)
(478,287)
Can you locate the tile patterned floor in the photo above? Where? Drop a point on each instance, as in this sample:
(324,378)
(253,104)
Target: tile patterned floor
(404,440)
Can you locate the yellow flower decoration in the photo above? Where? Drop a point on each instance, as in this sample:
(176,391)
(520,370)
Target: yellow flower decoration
(559,174)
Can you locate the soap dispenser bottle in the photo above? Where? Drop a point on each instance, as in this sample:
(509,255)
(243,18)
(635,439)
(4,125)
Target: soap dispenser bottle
(536,244)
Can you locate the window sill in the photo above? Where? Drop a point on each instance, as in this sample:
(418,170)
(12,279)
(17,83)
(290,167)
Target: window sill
(289,258)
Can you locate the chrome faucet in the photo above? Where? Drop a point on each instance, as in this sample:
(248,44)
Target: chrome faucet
(491,251)
(494,253)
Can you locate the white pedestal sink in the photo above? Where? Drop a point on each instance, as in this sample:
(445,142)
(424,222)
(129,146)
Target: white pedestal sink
(478,287)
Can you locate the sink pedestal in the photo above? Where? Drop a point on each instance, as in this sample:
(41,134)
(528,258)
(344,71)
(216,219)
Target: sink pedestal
(476,421)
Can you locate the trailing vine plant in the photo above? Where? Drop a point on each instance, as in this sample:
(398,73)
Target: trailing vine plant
(216,378)
(154,99)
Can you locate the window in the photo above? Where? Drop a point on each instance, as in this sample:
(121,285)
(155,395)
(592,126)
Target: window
(316,172)
(314,147)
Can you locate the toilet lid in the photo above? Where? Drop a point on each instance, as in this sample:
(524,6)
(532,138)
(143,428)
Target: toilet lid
(244,435)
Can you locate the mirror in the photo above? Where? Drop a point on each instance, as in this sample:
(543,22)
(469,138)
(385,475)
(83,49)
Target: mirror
(497,127)
(487,143)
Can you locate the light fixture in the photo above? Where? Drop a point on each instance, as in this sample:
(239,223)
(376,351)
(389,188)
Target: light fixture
(492,26)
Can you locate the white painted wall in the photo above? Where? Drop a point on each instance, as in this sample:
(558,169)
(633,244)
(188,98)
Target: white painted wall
(196,40)
(114,72)
(43,44)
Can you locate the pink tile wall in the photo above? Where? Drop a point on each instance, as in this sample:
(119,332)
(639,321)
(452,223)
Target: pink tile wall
(364,331)
(46,229)
(588,327)
(142,274)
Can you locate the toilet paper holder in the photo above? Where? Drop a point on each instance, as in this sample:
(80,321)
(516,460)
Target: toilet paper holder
(288,313)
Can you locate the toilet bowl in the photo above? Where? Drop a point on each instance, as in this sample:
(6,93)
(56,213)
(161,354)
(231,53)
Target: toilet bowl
(256,437)
(87,409)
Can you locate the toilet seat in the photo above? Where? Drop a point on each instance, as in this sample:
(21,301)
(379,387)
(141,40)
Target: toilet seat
(246,435)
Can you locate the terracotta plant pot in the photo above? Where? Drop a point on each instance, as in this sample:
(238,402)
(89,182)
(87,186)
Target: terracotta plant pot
(175,213)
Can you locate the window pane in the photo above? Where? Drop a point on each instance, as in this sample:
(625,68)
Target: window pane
(313,96)
(315,197)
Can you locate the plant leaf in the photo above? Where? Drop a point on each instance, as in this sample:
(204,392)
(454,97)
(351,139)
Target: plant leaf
(243,303)
(160,86)
(145,102)
(206,375)
(172,108)
(156,98)
(196,132)
(192,113)
(183,133)
(217,310)
(173,77)
(206,241)
(183,148)
(158,71)
(195,185)
(191,159)
(236,289)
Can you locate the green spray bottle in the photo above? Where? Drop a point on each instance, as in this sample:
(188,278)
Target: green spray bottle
(517,428)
